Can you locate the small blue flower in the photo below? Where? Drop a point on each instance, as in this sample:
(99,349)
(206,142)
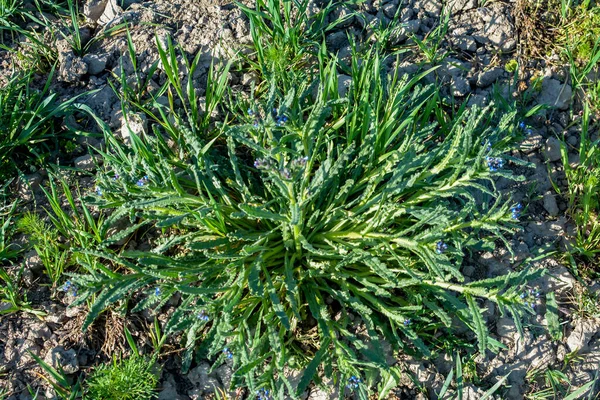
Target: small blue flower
(116,177)
(523,295)
(228,354)
(281,120)
(522,125)
(407,322)
(256,123)
(98,191)
(203,316)
(250,111)
(286,174)
(157,291)
(353,382)
(516,211)
(263,394)
(70,288)
(261,163)
(141,182)
(528,131)
(494,163)
(440,247)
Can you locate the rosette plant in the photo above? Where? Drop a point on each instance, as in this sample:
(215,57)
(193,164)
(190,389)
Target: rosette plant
(307,230)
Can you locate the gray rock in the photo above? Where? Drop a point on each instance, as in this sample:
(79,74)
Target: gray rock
(460,86)
(498,31)
(72,67)
(432,7)
(33,261)
(111,12)
(95,63)
(465,43)
(488,77)
(532,143)
(169,391)
(58,357)
(456,6)
(93,9)
(480,100)
(86,162)
(389,9)
(344,82)
(133,123)
(555,94)
(343,16)
(336,40)
(550,204)
(505,327)
(552,149)
(101,102)
(579,339)
(225,374)
(541,355)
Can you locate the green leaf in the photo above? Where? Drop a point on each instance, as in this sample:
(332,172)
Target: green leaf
(311,368)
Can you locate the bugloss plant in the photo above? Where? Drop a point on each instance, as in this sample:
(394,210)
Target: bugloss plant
(132,378)
(305,232)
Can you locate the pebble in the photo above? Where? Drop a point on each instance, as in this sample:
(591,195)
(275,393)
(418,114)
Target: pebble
(550,204)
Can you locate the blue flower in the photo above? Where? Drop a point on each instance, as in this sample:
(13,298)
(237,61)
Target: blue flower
(440,247)
(263,394)
(98,191)
(228,354)
(281,120)
(256,123)
(203,316)
(522,125)
(407,322)
(528,131)
(261,163)
(516,211)
(353,382)
(70,288)
(250,111)
(157,291)
(494,163)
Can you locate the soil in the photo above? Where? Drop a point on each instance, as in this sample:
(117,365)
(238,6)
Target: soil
(480,40)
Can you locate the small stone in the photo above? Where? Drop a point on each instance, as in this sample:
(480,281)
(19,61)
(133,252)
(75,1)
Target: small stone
(72,67)
(532,143)
(111,12)
(466,43)
(550,204)
(33,261)
(85,163)
(552,149)
(505,327)
(344,82)
(579,339)
(456,6)
(488,77)
(133,123)
(95,63)
(58,357)
(460,86)
(93,9)
(555,94)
